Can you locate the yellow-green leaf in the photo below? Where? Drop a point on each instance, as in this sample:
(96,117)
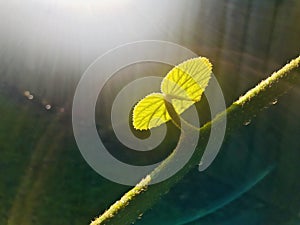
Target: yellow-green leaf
(185,83)
(182,87)
(150,112)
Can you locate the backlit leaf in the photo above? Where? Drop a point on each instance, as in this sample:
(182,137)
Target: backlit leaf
(150,112)
(185,83)
(182,87)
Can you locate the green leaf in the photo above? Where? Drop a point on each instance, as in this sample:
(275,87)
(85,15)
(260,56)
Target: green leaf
(182,87)
(150,112)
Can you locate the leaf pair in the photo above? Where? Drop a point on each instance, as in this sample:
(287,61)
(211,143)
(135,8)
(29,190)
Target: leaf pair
(181,88)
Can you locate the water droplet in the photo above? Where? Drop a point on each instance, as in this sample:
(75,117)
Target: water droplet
(30,97)
(26,93)
(48,107)
(140,216)
(274,101)
(247,122)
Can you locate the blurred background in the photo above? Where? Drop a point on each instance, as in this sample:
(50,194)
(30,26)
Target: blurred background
(46,46)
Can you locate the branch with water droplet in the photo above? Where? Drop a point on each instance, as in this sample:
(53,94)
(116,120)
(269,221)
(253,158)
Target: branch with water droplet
(143,196)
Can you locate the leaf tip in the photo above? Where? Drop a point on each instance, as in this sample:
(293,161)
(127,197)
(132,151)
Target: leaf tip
(206,62)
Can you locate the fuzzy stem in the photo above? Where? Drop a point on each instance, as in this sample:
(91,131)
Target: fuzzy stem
(143,196)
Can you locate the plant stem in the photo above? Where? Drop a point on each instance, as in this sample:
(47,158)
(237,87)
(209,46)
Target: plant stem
(143,196)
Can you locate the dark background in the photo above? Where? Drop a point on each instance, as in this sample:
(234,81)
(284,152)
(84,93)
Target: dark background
(45,46)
